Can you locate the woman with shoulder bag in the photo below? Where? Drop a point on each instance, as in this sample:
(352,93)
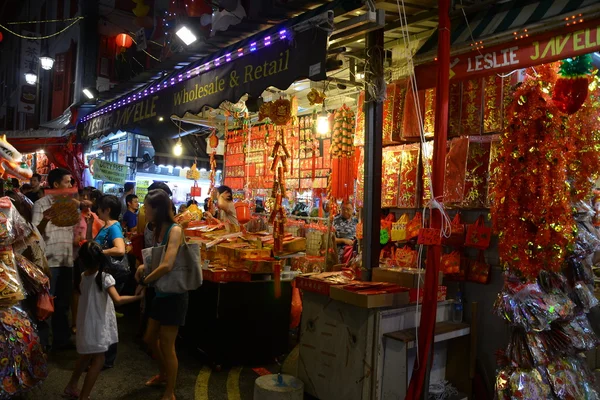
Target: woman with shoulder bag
(168,310)
(111,238)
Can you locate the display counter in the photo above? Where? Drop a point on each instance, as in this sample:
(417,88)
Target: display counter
(342,347)
(239,322)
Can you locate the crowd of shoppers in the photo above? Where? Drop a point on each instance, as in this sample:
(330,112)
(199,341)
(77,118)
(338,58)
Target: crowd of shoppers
(89,267)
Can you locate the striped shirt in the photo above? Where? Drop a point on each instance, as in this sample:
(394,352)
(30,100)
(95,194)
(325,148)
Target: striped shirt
(59,240)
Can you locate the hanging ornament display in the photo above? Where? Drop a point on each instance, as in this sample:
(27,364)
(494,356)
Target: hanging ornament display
(531,210)
(315,97)
(193,173)
(342,154)
(124,40)
(546,163)
(571,88)
(278,111)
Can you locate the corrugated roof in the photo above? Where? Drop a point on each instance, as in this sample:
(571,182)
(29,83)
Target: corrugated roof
(505,17)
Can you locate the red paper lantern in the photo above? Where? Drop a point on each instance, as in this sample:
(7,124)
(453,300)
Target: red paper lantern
(196,8)
(124,40)
(1,37)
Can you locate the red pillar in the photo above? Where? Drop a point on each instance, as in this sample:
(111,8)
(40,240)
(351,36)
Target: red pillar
(429,307)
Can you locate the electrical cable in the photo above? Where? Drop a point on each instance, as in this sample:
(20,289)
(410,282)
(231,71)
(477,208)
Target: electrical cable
(42,22)
(41,37)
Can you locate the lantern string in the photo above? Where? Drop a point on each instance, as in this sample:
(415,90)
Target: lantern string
(42,22)
(42,37)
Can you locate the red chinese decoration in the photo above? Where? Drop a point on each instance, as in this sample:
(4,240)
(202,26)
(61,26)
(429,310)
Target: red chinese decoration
(1,36)
(342,154)
(571,89)
(196,8)
(545,161)
(124,40)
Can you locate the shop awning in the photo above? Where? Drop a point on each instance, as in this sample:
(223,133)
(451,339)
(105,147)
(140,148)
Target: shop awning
(527,50)
(509,16)
(194,149)
(277,58)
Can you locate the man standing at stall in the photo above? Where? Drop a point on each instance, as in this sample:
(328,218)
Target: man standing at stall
(36,191)
(130,218)
(345,228)
(128,189)
(59,252)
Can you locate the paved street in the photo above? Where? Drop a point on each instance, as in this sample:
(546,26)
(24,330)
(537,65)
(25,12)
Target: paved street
(126,380)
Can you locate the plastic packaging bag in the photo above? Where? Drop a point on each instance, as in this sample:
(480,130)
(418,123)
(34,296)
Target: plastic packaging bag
(11,290)
(34,280)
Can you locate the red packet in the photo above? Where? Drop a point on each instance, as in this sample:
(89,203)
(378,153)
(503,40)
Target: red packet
(456,169)
(429,237)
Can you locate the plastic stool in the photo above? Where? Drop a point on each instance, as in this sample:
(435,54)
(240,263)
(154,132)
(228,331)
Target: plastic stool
(278,387)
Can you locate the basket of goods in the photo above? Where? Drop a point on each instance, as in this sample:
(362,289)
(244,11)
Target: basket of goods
(65,209)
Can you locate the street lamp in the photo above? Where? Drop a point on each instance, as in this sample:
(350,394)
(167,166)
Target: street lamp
(31,78)
(47,63)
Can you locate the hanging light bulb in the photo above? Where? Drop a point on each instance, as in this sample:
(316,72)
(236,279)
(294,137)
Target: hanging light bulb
(323,123)
(178,148)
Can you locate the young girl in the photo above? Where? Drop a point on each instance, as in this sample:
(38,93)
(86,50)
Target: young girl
(96,320)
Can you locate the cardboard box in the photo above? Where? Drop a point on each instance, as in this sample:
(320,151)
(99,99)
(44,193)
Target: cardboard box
(294,246)
(406,278)
(369,300)
(441,295)
(225,276)
(234,251)
(314,285)
(260,266)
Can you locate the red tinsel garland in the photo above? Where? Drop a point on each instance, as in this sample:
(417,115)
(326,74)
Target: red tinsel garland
(545,161)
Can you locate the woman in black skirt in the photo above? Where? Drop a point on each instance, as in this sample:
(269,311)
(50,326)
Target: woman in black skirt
(168,310)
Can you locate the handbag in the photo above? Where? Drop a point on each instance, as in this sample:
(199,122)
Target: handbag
(479,270)
(451,265)
(186,274)
(478,235)
(119,266)
(45,305)
(457,235)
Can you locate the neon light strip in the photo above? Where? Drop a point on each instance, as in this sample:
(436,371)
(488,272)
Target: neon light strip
(222,60)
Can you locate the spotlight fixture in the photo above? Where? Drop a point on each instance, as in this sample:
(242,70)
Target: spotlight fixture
(186,35)
(90,93)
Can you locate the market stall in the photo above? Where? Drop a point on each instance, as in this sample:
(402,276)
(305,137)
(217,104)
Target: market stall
(240,268)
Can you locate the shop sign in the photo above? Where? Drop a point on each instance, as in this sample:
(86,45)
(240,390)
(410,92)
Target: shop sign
(279,65)
(108,171)
(522,53)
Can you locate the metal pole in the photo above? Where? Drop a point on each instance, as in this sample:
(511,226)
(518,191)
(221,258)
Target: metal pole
(373,154)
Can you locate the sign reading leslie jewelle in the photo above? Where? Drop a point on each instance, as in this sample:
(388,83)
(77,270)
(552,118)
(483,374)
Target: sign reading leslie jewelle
(300,55)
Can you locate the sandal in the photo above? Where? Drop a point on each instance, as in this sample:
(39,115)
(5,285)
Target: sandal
(156,380)
(70,394)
